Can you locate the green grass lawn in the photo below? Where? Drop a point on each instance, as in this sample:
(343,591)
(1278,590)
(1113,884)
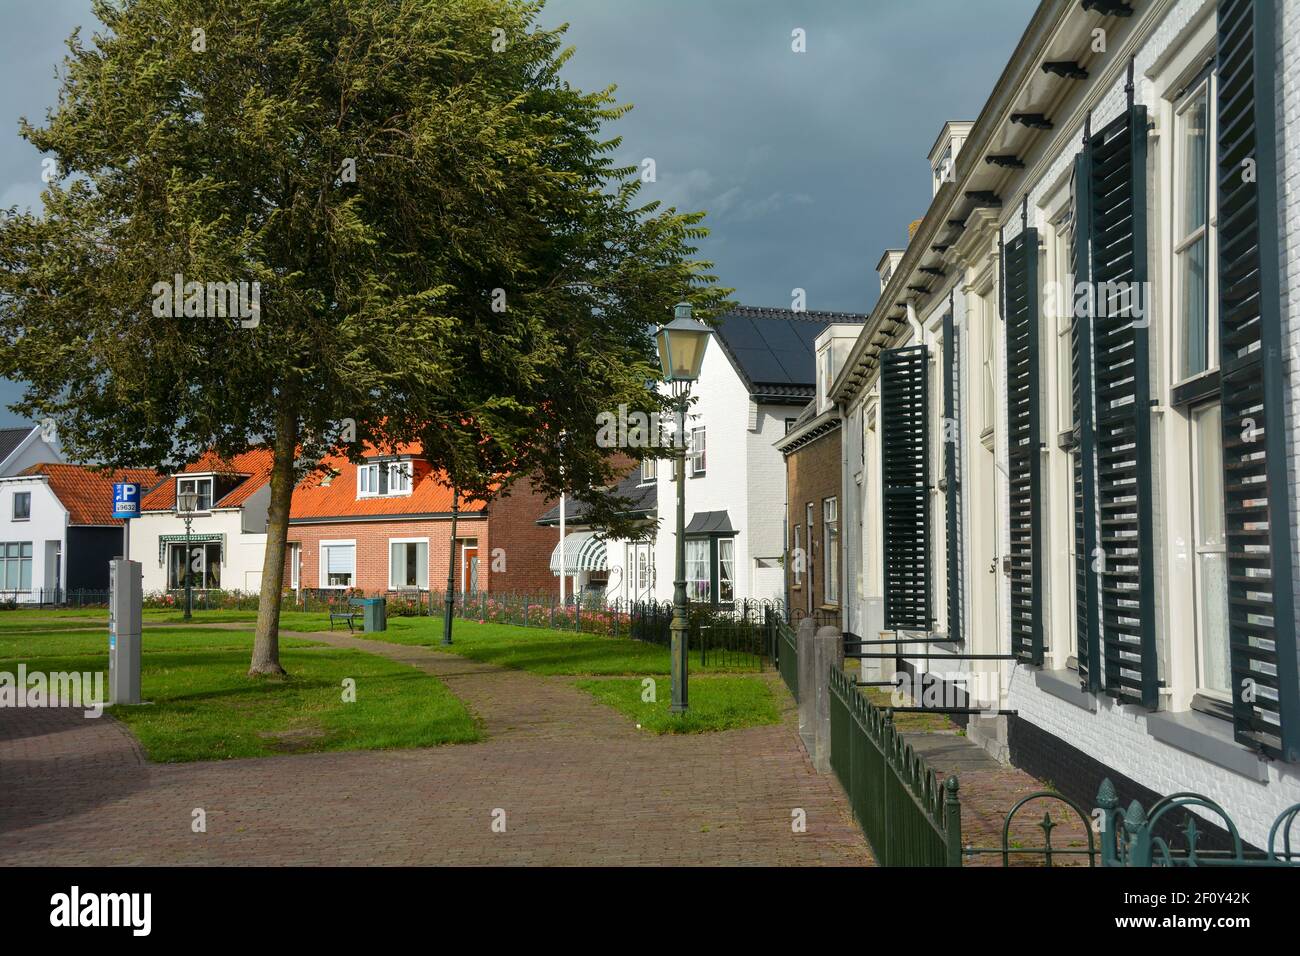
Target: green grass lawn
(716,703)
(540,650)
(205,707)
(537,650)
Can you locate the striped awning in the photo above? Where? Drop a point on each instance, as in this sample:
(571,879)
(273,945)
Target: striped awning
(580,551)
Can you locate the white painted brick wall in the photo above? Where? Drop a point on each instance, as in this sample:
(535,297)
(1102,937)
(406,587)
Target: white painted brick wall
(1117,736)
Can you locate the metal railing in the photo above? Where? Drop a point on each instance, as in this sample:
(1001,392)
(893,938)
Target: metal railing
(909,818)
(786,652)
(54,597)
(734,636)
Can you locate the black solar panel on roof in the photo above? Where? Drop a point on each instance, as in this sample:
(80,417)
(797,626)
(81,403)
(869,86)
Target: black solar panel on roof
(772,350)
(762,365)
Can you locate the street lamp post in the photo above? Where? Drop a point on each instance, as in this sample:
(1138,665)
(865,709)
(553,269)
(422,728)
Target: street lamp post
(187,503)
(449,604)
(681,353)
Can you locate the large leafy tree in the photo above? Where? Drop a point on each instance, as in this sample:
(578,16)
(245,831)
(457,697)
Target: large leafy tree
(444,247)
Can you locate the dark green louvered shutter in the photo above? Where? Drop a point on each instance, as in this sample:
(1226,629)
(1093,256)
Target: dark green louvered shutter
(1083,453)
(1261,614)
(1122,392)
(906,485)
(1024,441)
(952,473)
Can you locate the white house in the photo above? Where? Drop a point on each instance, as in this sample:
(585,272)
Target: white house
(759,372)
(20,448)
(1071,421)
(227,537)
(57,532)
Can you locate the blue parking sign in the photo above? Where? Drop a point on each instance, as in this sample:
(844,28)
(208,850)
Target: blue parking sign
(126,499)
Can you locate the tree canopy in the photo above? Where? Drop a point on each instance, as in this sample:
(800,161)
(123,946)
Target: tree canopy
(442,244)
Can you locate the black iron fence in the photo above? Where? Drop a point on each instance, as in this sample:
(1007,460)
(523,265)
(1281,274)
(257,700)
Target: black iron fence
(908,816)
(53,597)
(732,636)
(785,651)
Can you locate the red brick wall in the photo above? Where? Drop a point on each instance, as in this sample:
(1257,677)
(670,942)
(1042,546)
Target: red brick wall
(812,474)
(525,545)
(510,525)
(372,538)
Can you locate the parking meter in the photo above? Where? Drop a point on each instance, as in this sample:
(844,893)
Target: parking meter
(126,597)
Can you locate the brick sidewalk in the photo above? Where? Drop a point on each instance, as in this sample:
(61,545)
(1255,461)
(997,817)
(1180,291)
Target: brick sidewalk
(578,784)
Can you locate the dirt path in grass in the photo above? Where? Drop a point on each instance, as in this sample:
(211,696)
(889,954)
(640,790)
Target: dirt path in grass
(573,782)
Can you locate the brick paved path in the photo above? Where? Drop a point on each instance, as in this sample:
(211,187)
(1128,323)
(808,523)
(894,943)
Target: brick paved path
(578,784)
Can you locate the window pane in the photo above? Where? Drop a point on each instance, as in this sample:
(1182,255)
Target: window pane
(697,569)
(1211,553)
(1195,308)
(726,569)
(1196,165)
(339,564)
(831,549)
(212,566)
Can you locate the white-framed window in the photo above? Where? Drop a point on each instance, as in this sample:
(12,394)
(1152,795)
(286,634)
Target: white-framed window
(989,368)
(809,518)
(824,361)
(649,470)
(22,510)
(295,565)
(408,563)
(797,557)
(1194,275)
(726,570)
(201,485)
(696,457)
(698,585)
(201,567)
(16,566)
(338,564)
(943,170)
(1210,569)
(831,550)
(1063,273)
(384,478)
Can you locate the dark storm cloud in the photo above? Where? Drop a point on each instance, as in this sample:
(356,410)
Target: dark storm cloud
(808,164)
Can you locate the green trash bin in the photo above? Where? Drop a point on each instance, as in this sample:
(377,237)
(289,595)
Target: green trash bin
(374,614)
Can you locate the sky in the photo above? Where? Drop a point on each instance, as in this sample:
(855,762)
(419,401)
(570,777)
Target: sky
(809,164)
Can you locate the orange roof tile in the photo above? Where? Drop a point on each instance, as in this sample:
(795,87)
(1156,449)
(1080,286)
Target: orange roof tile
(88,494)
(314,498)
(255,463)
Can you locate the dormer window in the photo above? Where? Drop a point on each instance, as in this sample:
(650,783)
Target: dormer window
(383,479)
(200,486)
(943,170)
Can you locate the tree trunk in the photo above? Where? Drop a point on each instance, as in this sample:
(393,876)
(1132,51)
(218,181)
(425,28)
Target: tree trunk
(266,642)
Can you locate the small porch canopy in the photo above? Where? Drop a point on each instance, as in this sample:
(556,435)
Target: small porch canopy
(580,551)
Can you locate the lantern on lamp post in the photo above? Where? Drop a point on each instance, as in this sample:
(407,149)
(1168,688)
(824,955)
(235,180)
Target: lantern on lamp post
(681,353)
(187,502)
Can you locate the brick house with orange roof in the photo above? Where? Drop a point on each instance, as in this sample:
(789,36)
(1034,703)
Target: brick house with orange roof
(57,530)
(383,525)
